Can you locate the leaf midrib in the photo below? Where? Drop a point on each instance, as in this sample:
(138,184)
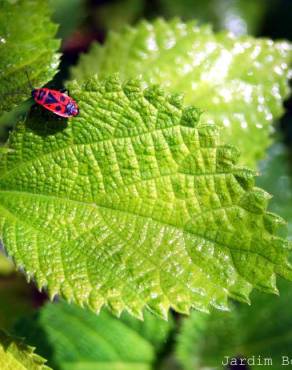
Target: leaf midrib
(73,145)
(96,206)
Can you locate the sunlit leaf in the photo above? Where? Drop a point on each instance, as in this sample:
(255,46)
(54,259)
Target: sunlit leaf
(261,331)
(136,203)
(240,82)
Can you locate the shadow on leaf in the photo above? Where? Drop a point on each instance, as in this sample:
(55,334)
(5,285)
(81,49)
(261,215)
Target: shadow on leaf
(43,122)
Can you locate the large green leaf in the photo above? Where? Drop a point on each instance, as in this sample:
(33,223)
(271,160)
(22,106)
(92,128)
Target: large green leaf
(27,45)
(75,338)
(240,82)
(264,329)
(15,355)
(135,202)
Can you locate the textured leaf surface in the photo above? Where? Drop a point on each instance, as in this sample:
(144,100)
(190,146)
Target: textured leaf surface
(135,202)
(262,330)
(75,338)
(26,44)
(15,355)
(240,82)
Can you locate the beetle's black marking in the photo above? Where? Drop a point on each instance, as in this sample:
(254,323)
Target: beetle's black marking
(50,99)
(62,98)
(58,108)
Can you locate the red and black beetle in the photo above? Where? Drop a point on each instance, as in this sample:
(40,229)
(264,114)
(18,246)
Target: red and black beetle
(55,101)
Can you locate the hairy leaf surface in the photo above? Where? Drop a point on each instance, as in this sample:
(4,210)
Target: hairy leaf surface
(240,82)
(264,329)
(27,45)
(15,355)
(136,202)
(75,338)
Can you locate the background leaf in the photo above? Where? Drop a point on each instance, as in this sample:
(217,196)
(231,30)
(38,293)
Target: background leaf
(240,82)
(75,338)
(276,178)
(135,202)
(26,44)
(14,354)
